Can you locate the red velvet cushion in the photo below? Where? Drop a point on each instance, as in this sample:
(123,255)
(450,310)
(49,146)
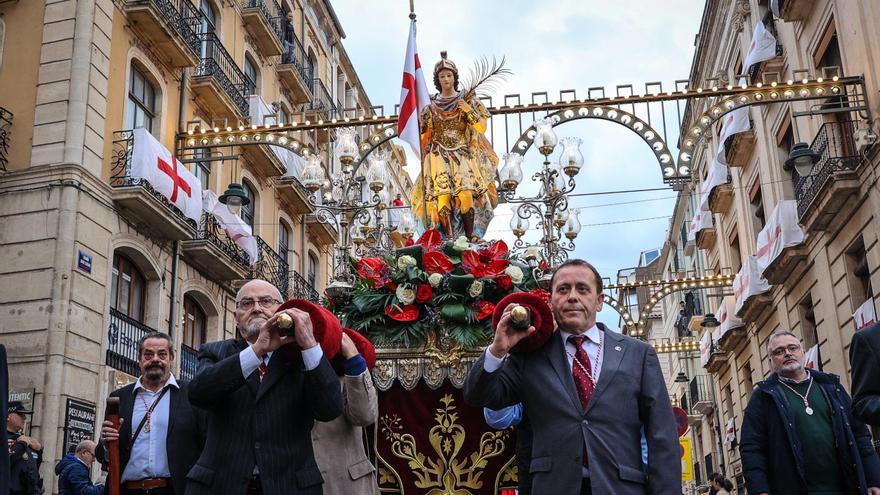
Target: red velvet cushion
(364,347)
(325,325)
(542,319)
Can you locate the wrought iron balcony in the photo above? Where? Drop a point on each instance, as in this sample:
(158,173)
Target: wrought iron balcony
(822,195)
(263,18)
(701,398)
(189,362)
(218,80)
(169,25)
(270,267)
(123,335)
(322,103)
(138,201)
(5,136)
(300,288)
(215,253)
(296,71)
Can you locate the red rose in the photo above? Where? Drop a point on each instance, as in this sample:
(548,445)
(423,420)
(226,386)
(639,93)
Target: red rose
(504,282)
(484,309)
(423,293)
(390,285)
(407,313)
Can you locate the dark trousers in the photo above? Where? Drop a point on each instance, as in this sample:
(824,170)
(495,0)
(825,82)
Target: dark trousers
(586,489)
(255,487)
(165,490)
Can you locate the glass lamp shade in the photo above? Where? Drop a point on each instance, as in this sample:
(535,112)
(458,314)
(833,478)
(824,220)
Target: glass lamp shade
(560,218)
(571,160)
(558,183)
(407,224)
(383,200)
(378,170)
(511,172)
(519,225)
(545,137)
(802,158)
(313,174)
(356,236)
(346,145)
(572,225)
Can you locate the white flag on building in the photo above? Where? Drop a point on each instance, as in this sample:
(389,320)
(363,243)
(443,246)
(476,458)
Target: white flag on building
(414,95)
(235,227)
(782,231)
(865,316)
(812,358)
(705,347)
(155,164)
(747,283)
(763,46)
(702,220)
(716,176)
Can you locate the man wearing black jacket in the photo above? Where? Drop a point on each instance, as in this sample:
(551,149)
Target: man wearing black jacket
(262,397)
(864,354)
(168,432)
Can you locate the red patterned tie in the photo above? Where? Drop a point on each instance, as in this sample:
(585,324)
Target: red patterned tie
(263,368)
(581,372)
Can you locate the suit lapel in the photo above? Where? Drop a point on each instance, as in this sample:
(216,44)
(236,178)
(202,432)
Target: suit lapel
(613,350)
(175,401)
(253,381)
(274,372)
(555,352)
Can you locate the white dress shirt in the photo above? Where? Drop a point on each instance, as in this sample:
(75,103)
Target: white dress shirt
(149,459)
(249,361)
(590,344)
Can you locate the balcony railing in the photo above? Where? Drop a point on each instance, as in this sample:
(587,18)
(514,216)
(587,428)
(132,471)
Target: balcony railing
(218,64)
(272,13)
(271,267)
(181,15)
(120,171)
(5,136)
(211,230)
(189,362)
(295,54)
(837,153)
(123,335)
(322,102)
(300,288)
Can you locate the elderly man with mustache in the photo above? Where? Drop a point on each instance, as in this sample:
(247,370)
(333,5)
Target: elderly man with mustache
(161,434)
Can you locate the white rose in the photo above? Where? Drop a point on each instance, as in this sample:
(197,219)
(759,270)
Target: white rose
(515,274)
(434,279)
(461,244)
(476,288)
(405,295)
(405,261)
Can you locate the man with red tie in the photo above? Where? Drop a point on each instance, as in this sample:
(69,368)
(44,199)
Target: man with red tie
(588,392)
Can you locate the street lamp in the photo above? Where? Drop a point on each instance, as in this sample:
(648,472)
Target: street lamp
(802,158)
(709,321)
(234,197)
(681,377)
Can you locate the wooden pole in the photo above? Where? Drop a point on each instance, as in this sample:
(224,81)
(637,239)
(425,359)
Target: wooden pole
(114,473)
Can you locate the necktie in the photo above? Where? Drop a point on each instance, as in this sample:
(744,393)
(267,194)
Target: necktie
(263,369)
(581,370)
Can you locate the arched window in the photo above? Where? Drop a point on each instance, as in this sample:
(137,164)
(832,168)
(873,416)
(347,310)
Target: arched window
(283,241)
(251,76)
(195,329)
(312,273)
(127,288)
(141,109)
(248,211)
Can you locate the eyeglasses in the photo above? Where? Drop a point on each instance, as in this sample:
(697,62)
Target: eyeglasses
(265,302)
(789,349)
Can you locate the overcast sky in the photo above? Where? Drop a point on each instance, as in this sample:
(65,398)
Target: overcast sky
(550,46)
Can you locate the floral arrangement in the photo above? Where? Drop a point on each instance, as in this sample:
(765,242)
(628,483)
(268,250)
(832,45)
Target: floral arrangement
(432,282)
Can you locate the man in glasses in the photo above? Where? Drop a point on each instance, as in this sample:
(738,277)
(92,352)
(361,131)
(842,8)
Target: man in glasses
(798,433)
(73,471)
(263,393)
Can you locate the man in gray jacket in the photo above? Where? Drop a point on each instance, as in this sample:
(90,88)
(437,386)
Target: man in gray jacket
(588,392)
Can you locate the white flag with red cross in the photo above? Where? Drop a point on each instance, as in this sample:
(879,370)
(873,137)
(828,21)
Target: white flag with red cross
(865,316)
(811,359)
(153,163)
(235,227)
(413,95)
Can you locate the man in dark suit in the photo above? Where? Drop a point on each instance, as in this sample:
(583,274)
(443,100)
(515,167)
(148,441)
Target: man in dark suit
(864,354)
(262,397)
(588,393)
(168,432)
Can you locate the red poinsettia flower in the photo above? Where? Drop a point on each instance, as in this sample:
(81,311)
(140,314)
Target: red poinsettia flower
(504,282)
(431,240)
(495,251)
(437,262)
(471,263)
(405,314)
(374,270)
(424,293)
(484,309)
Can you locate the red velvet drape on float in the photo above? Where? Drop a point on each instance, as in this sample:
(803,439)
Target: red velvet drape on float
(429,442)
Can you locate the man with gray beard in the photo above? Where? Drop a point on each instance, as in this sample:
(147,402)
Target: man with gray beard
(263,392)
(799,435)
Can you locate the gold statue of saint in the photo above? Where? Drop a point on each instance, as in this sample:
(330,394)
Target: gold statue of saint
(456,191)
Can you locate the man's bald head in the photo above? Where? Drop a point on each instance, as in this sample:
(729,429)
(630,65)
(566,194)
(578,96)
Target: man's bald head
(255,303)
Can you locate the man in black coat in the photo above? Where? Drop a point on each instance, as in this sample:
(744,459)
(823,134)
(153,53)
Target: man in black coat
(799,435)
(262,398)
(168,432)
(864,355)
(25,453)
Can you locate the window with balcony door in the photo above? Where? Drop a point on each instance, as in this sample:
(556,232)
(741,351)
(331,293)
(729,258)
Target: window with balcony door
(784,144)
(202,169)
(207,24)
(735,254)
(756,203)
(248,211)
(140,108)
(828,54)
(858,274)
(747,381)
(195,328)
(283,239)
(312,274)
(809,332)
(127,288)
(251,76)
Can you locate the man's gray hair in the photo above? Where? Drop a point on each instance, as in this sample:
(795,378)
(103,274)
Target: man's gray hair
(776,335)
(84,446)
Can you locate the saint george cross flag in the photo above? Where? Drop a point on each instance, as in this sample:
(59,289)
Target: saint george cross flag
(812,358)
(235,228)
(154,163)
(865,316)
(413,95)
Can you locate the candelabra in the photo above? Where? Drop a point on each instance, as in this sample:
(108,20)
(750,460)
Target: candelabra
(358,216)
(559,225)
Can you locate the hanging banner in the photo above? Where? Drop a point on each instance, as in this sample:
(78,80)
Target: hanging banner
(687,458)
(705,347)
(716,176)
(726,318)
(782,231)
(702,220)
(79,423)
(812,358)
(747,283)
(153,163)
(865,315)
